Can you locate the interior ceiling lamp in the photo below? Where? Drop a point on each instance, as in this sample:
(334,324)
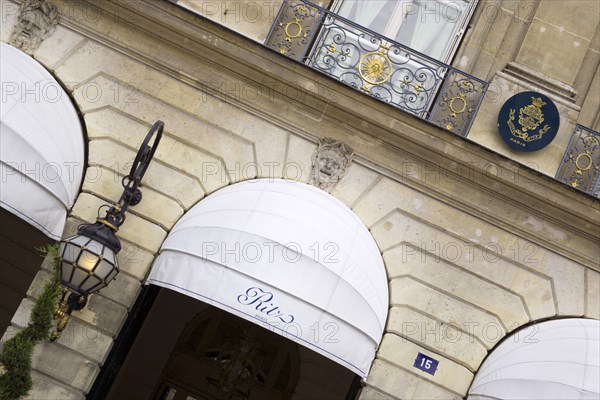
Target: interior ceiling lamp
(88,260)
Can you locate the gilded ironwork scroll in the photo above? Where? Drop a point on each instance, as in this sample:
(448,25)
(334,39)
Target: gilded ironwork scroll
(377,66)
(580,166)
(293,29)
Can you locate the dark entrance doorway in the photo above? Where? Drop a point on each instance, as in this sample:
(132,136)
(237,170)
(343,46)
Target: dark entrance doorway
(221,356)
(188,350)
(19,262)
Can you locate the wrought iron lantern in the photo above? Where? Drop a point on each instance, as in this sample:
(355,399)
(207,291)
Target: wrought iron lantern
(88,260)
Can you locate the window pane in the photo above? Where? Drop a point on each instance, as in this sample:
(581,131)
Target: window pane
(372,14)
(429,26)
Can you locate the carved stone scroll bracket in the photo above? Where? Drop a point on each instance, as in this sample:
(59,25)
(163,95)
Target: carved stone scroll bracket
(330,163)
(35,22)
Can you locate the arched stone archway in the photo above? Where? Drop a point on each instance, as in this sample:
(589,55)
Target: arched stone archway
(287,256)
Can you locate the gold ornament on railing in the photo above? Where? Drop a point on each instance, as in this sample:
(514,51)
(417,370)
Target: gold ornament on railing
(375,67)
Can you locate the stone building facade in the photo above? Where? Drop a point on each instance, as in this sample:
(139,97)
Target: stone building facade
(478,240)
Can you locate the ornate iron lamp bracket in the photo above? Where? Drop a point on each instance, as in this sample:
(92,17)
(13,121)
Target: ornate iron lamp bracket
(88,260)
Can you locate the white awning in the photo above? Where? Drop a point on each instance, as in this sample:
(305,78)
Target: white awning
(286,256)
(554,360)
(41,144)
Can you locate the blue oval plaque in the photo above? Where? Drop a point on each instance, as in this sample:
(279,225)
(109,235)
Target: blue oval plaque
(528,121)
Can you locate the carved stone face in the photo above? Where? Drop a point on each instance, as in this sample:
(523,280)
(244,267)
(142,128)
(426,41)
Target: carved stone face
(29,30)
(35,22)
(329,163)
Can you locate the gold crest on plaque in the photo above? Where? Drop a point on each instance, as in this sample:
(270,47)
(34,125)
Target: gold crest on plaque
(530,118)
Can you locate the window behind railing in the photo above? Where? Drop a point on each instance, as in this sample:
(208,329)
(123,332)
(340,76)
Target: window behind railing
(377,65)
(431,27)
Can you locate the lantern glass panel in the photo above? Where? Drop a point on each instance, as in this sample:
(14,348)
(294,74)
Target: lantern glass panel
(79,240)
(88,260)
(66,271)
(95,247)
(103,270)
(109,255)
(69,252)
(90,284)
(112,275)
(78,277)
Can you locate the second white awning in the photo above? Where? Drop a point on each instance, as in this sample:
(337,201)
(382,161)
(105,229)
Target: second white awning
(289,257)
(552,360)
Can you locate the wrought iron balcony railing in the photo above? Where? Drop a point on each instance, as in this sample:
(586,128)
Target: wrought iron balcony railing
(376,65)
(580,166)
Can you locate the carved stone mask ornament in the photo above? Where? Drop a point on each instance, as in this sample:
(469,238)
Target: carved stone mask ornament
(36,21)
(330,163)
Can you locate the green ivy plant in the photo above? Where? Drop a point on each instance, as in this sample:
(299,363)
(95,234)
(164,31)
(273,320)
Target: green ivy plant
(15,357)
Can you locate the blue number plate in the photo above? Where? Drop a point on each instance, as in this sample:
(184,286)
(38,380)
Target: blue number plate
(426,364)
